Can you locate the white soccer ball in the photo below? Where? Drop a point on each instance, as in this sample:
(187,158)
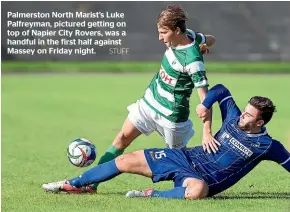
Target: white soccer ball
(81,152)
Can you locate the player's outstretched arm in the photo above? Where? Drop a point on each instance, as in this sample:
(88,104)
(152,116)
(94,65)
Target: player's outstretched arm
(219,93)
(205,41)
(209,40)
(286,164)
(208,142)
(278,153)
(216,94)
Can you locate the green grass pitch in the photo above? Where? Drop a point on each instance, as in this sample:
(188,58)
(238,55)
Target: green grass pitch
(41,114)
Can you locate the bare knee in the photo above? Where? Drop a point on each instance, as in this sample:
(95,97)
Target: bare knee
(133,162)
(121,162)
(129,161)
(198,190)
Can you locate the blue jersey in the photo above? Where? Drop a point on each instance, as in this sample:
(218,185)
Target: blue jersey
(238,154)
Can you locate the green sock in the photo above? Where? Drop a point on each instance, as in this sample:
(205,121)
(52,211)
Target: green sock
(111,153)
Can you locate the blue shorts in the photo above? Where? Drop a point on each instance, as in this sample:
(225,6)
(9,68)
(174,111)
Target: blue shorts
(170,164)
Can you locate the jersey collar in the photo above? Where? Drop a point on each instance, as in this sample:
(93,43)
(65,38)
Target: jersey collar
(186,46)
(263,132)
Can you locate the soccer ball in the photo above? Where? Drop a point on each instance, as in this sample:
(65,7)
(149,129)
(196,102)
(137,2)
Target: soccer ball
(81,152)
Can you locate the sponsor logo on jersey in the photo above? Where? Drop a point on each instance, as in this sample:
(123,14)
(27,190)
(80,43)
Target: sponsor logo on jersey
(152,155)
(235,144)
(256,144)
(166,77)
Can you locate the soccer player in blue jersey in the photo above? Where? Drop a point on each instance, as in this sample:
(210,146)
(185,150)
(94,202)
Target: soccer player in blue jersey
(197,174)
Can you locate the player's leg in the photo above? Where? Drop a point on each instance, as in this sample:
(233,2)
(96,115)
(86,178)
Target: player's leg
(169,164)
(127,134)
(173,164)
(135,124)
(195,188)
(134,163)
(191,189)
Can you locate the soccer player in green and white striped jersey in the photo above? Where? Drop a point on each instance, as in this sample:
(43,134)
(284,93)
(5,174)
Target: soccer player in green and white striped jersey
(182,69)
(164,108)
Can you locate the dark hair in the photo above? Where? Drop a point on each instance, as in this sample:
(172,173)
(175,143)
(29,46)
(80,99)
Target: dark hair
(172,17)
(265,106)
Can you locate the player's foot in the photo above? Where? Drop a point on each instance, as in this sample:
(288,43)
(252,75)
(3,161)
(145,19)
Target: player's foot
(144,193)
(65,187)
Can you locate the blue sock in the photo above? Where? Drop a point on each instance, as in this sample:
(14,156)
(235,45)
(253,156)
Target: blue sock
(99,173)
(175,193)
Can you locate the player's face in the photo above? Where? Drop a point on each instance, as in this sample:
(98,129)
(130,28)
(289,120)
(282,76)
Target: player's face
(250,119)
(166,35)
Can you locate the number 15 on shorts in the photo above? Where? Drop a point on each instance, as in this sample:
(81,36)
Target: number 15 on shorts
(159,155)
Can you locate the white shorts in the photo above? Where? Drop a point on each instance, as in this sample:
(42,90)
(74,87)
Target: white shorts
(146,120)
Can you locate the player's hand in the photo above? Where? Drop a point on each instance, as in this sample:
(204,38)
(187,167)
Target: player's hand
(209,143)
(202,112)
(204,48)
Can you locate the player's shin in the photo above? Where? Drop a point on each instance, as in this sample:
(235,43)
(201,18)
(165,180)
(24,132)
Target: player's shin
(99,173)
(175,193)
(109,155)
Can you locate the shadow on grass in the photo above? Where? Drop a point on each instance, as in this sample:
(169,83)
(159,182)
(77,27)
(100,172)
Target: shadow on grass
(241,195)
(122,193)
(254,195)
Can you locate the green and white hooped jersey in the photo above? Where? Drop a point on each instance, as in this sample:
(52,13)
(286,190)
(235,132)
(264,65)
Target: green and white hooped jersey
(182,69)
